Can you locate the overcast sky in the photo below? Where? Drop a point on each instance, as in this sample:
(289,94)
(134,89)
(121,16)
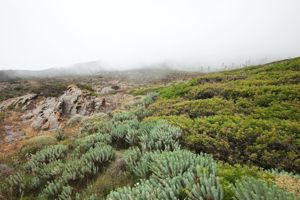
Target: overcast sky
(38,34)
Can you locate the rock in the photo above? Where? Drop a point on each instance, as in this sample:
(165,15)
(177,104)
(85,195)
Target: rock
(107,90)
(75,120)
(22,102)
(52,110)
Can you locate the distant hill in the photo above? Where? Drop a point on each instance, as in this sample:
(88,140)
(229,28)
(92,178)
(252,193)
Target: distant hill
(88,68)
(143,74)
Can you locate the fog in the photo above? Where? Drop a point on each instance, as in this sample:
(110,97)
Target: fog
(123,34)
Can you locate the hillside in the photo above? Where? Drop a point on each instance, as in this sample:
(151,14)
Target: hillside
(225,135)
(249,115)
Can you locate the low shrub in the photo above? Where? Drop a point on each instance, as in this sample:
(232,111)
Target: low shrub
(252,189)
(35,144)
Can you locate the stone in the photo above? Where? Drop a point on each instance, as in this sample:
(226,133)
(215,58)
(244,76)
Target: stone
(22,102)
(52,110)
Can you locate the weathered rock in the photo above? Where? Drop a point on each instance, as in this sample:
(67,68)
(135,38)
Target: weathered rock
(107,90)
(50,111)
(22,102)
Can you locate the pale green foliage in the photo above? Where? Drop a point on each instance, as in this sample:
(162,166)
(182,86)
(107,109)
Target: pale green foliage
(45,156)
(119,130)
(171,175)
(136,162)
(90,141)
(189,185)
(35,182)
(101,153)
(139,108)
(124,116)
(256,189)
(151,135)
(202,186)
(132,136)
(16,182)
(167,164)
(150,98)
(49,171)
(57,190)
(161,136)
(140,111)
(170,164)
(92,197)
(123,127)
(88,164)
(66,193)
(167,189)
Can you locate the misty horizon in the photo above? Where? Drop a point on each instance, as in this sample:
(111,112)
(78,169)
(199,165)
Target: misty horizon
(38,35)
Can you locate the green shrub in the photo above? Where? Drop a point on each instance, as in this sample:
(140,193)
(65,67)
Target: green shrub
(57,190)
(173,175)
(252,189)
(94,124)
(162,136)
(174,90)
(267,143)
(17,182)
(167,164)
(83,144)
(45,156)
(206,186)
(34,144)
(89,163)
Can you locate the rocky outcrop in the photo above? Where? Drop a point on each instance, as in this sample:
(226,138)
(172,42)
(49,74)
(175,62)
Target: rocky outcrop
(46,113)
(22,102)
(107,90)
(51,111)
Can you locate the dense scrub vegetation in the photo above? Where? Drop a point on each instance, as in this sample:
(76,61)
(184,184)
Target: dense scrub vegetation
(47,88)
(140,153)
(248,115)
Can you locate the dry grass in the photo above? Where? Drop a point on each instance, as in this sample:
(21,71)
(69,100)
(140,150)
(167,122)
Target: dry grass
(113,177)
(288,183)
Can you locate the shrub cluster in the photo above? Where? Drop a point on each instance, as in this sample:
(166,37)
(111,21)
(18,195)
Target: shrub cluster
(248,115)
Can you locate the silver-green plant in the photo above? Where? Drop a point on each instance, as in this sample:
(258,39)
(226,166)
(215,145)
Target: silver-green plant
(57,190)
(137,162)
(256,189)
(165,189)
(16,182)
(170,164)
(161,136)
(150,98)
(202,185)
(88,164)
(124,116)
(45,156)
(87,142)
